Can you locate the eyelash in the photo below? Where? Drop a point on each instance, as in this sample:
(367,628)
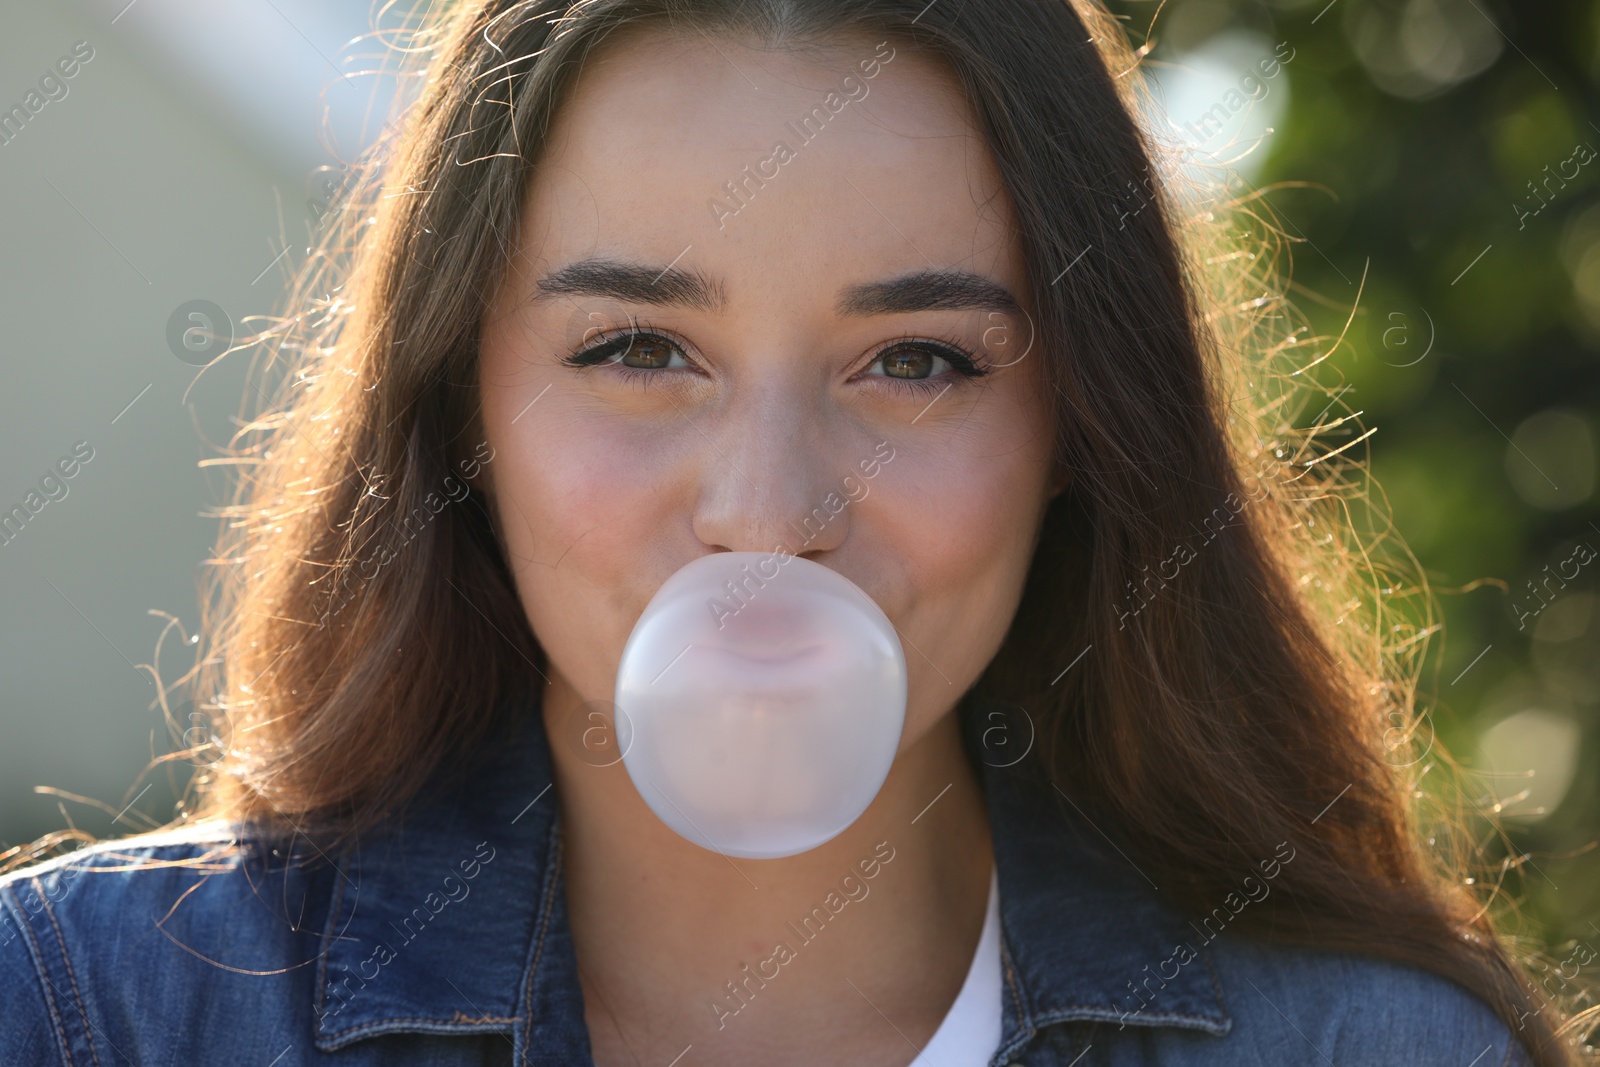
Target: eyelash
(962,362)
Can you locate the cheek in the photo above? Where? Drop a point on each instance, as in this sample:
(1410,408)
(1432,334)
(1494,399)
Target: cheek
(962,521)
(979,495)
(968,532)
(582,501)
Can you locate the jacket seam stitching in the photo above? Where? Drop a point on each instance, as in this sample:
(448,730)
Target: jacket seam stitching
(45,988)
(461,1026)
(1029,1030)
(1216,983)
(544,926)
(66,962)
(1101,1013)
(319,999)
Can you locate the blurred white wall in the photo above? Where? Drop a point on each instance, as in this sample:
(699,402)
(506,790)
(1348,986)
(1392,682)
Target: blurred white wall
(172,166)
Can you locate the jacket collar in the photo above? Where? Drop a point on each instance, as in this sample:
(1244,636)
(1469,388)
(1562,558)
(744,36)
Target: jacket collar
(1085,935)
(429,928)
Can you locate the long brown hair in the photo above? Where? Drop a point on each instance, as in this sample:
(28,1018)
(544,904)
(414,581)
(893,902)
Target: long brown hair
(1206,645)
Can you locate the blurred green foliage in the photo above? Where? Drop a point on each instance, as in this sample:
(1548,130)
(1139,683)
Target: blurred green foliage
(1442,138)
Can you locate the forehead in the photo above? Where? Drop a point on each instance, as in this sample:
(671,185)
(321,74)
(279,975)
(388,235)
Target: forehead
(820,169)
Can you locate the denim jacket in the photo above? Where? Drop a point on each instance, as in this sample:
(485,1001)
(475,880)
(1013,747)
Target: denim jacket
(444,940)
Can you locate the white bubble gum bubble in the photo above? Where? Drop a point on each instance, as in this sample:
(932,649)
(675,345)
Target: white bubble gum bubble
(760,702)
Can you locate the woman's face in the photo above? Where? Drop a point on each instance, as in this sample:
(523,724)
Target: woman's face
(838,361)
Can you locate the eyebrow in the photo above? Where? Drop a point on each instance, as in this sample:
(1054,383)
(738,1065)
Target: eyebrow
(938,289)
(667,286)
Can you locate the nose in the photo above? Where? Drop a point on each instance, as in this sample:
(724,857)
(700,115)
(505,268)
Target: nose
(772,470)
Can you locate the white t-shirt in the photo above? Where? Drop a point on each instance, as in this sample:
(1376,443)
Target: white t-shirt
(970,1032)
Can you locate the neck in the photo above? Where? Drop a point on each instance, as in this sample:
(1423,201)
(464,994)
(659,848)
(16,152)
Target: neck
(679,945)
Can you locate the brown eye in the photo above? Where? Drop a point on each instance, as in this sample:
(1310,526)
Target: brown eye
(904,361)
(646,352)
(921,360)
(635,350)
(920,367)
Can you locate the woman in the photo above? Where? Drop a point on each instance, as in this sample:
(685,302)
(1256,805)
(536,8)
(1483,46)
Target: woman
(892,287)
